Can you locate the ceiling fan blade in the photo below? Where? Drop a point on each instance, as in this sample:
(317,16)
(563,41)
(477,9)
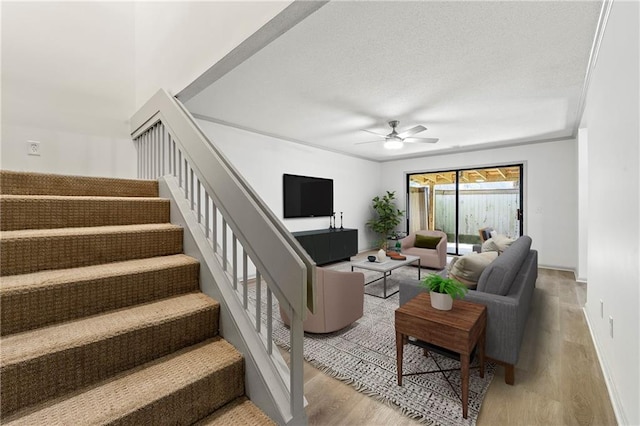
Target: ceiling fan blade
(415,139)
(374,133)
(421,140)
(412,131)
(361,143)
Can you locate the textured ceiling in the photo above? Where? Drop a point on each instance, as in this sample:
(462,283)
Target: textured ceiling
(498,73)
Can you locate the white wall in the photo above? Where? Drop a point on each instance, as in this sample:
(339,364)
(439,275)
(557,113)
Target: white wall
(612,119)
(550,191)
(550,183)
(73,73)
(176,42)
(263,160)
(68,82)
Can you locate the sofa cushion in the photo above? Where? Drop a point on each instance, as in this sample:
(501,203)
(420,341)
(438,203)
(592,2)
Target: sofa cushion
(467,268)
(499,275)
(427,241)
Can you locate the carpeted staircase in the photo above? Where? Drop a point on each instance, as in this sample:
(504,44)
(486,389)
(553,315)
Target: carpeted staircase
(102,320)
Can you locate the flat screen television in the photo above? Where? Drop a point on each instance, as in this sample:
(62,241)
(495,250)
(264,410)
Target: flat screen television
(306,196)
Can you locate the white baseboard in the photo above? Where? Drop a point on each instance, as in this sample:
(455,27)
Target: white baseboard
(564,268)
(618,410)
(557,268)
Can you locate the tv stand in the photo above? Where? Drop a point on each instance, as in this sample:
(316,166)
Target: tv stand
(329,245)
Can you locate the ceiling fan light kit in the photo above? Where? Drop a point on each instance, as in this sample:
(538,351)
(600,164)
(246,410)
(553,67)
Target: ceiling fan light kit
(393,144)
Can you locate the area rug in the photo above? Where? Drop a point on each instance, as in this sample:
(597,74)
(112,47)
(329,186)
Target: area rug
(364,356)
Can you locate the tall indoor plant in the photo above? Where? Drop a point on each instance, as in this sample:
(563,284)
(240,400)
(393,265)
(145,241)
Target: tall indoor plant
(388,216)
(443,291)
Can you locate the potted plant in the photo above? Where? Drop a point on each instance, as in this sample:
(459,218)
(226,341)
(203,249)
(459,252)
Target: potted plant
(443,291)
(388,217)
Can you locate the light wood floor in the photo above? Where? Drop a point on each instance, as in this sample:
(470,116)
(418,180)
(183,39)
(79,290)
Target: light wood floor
(558,377)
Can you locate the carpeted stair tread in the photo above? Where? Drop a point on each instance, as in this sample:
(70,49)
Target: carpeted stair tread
(54,211)
(50,361)
(31,344)
(25,183)
(239,412)
(33,250)
(38,299)
(88,230)
(178,389)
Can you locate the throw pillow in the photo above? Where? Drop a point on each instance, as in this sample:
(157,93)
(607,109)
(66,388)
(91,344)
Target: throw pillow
(489,246)
(498,243)
(427,241)
(470,284)
(468,268)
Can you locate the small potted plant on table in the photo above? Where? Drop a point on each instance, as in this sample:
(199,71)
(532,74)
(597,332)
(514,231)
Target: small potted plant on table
(443,291)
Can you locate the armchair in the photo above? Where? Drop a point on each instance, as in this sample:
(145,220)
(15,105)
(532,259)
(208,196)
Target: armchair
(339,301)
(435,258)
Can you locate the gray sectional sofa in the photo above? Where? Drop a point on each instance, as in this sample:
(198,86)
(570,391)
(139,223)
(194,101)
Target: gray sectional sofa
(506,288)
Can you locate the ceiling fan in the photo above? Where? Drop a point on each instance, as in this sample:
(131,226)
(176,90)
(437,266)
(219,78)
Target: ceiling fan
(395,140)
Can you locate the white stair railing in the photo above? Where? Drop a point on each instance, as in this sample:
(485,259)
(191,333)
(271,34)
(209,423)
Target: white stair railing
(249,242)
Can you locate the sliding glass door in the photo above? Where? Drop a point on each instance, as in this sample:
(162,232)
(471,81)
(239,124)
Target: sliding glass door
(464,201)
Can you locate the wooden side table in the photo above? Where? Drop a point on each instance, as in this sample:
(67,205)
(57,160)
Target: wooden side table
(458,330)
